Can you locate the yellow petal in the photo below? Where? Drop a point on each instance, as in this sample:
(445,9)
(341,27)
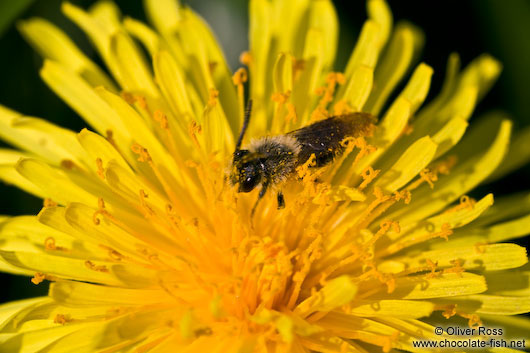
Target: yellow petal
(449,135)
(447,285)
(509,283)
(144,34)
(518,154)
(492,304)
(464,177)
(72,293)
(54,44)
(9,174)
(396,61)
(50,142)
(82,98)
(53,183)
(405,309)
(485,258)
(409,164)
(335,293)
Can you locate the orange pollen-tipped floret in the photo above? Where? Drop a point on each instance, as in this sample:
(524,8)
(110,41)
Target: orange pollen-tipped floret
(49,244)
(214,95)
(245,58)
(101,268)
(38,278)
(62,319)
(100,170)
(143,154)
(47,203)
(161,118)
(342,107)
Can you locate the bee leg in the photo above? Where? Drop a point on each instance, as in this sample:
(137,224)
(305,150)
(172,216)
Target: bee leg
(262,192)
(281,200)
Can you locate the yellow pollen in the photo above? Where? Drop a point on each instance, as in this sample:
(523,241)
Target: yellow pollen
(193,130)
(457,267)
(94,267)
(473,319)
(245,58)
(332,79)
(480,248)
(368,175)
(449,311)
(143,154)
(407,130)
(100,170)
(161,118)
(141,101)
(49,244)
(212,100)
(403,195)
(62,319)
(212,65)
(68,164)
(49,203)
(147,210)
(38,278)
(240,76)
(280,97)
(239,79)
(389,341)
(110,138)
(128,97)
(466,202)
(298,67)
(113,254)
(319,113)
(342,107)
(432,267)
(291,113)
(445,232)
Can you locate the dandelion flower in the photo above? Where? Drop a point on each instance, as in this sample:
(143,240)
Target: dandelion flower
(147,247)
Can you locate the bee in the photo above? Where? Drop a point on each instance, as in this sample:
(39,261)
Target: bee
(272,160)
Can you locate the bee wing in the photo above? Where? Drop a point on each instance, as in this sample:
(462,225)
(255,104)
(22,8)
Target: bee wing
(323,138)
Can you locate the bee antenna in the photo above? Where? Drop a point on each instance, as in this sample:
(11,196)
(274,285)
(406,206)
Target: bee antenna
(246,120)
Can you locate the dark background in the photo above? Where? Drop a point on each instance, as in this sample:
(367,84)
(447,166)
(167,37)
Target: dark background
(501,28)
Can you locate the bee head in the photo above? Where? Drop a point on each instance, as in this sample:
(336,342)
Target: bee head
(246,171)
(249,176)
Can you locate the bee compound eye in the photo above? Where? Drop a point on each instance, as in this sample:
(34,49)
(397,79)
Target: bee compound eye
(249,179)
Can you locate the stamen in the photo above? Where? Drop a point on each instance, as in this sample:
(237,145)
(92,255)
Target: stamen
(48,203)
(480,248)
(100,170)
(193,130)
(94,267)
(298,67)
(127,96)
(212,100)
(68,164)
(113,254)
(49,244)
(291,114)
(449,311)
(147,210)
(110,139)
(62,319)
(239,79)
(161,118)
(143,154)
(368,175)
(38,278)
(342,107)
(246,58)
(473,320)
(457,267)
